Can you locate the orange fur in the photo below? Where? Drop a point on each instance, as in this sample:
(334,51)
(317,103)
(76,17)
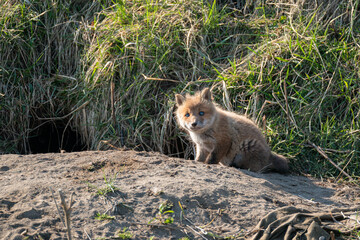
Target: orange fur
(225,137)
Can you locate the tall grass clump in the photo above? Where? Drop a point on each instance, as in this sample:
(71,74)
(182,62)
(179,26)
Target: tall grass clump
(39,57)
(303,76)
(109,70)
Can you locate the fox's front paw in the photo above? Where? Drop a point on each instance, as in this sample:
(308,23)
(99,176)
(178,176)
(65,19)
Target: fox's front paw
(199,159)
(211,159)
(226,162)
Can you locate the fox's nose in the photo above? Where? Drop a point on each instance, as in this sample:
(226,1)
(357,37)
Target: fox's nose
(194,124)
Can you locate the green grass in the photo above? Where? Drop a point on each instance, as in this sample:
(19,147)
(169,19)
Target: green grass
(104,216)
(124,234)
(109,70)
(165,214)
(109,186)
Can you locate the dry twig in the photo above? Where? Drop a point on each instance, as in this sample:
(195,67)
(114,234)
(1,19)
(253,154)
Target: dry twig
(67,211)
(322,153)
(57,207)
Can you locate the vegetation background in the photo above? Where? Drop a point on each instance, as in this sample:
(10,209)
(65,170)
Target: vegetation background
(100,74)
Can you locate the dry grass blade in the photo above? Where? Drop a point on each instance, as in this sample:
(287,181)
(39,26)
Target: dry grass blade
(319,149)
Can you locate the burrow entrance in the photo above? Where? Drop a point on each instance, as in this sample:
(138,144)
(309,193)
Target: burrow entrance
(53,137)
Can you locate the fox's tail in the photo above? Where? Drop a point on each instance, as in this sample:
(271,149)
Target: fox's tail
(279,163)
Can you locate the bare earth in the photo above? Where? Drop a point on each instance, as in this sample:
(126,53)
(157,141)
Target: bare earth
(205,199)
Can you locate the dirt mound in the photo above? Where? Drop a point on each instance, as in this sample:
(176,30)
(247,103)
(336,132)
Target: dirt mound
(142,195)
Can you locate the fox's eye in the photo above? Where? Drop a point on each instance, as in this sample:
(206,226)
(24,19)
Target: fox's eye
(201,113)
(187,115)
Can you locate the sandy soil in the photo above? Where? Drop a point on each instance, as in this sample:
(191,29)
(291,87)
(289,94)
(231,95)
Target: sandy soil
(205,199)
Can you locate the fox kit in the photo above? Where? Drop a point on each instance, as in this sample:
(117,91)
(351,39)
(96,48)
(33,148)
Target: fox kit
(225,137)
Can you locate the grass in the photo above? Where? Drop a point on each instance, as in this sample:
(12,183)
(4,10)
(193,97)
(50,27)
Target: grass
(124,234)
(109,186)
(165,214)
(109,71)
(104,216)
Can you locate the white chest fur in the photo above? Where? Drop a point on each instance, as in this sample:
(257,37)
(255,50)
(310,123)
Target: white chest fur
(196,138)
(203,142)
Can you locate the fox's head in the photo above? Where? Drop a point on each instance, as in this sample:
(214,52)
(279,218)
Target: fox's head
(195,113)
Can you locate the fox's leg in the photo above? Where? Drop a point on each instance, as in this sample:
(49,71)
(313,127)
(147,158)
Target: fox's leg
(226,162)
(254,155)
(219,153)
(217,157)
(201,154)
(212,158)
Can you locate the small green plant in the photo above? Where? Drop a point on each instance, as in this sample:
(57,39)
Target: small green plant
(103,217)
(124,234)
(108,188)
(165,214)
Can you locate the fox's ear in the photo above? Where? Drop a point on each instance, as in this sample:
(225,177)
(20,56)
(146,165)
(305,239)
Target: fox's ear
(179,99)
(206,94)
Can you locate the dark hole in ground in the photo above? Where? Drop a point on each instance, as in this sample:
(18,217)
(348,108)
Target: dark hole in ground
(54,136)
